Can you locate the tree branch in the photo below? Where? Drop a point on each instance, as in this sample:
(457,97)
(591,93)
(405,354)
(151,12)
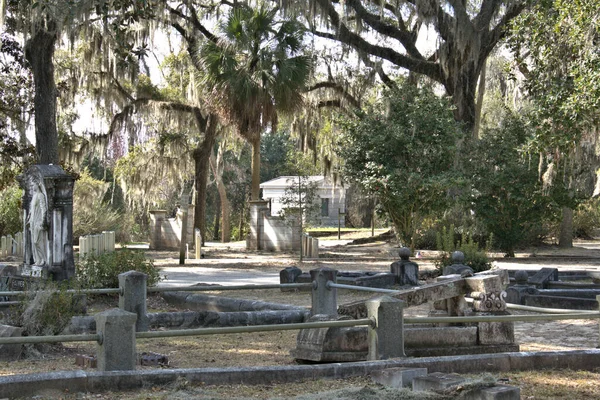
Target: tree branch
(402,35)
(344,35)
(338,88)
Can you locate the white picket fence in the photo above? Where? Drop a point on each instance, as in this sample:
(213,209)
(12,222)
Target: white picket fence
(11,246)
(97,244)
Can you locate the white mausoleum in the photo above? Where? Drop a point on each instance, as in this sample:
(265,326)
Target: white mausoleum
(332,197)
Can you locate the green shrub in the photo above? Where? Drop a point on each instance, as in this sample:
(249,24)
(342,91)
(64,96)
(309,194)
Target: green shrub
(475,257)
(102,271)
(45,311)
(10,210)
(586,219)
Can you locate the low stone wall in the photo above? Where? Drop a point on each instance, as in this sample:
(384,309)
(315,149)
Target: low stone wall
(271,233)
(165,233)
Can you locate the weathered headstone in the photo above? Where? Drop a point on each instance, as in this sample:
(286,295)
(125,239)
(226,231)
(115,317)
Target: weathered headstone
(516,293)
(48,230)
(406,271)
(458,266)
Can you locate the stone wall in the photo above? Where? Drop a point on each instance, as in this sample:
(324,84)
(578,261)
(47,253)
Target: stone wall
(165,233)
(271,233)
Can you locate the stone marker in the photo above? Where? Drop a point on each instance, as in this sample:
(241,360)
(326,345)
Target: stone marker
(324,299)
(543,276)
(436,381)
(386,340)
(10,352)
(516,293)
(499,392)
(289,275)
(458,266)
(406,271)
(397,377)
(117,350)
(133,297)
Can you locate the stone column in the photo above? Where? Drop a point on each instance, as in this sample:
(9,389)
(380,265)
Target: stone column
(133,297)
(257,209)
(157,218)
(116,352)
(324,299)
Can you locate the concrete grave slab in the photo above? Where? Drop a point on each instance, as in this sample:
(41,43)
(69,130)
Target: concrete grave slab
(397,377)
(436,381)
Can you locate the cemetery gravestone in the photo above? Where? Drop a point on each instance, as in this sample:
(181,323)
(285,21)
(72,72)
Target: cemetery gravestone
(48,216)
(406,271)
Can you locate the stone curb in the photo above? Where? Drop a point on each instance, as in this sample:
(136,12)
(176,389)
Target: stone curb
(87,381)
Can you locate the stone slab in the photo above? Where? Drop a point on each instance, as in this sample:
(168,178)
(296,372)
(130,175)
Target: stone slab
(423,337)
(413,297)
(498,392)
(84,381)
(543,276)
(569,303)
(397,377)
(496,333)
(10,352)
(436,381)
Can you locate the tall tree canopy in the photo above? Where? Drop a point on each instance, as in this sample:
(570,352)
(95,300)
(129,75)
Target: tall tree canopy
(387,31)
(254,70)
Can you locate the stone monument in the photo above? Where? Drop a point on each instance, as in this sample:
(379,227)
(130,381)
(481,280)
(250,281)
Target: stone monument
(406,271)
(48,222)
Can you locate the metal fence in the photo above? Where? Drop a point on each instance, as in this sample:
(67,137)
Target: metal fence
(323,302)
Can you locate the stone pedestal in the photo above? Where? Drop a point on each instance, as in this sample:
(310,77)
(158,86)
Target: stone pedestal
(48,217)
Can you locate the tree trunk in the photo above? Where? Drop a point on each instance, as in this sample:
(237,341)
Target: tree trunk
(566,228)
(463,95)
(201,160)
(255,191)
(216,225)
(216,166)
(39,51)
(479,105)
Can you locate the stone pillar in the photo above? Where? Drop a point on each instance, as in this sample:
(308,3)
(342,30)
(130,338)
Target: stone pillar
(386,340)
(157,218)
(116,352)
(133,297)
(257,212)
(324,299)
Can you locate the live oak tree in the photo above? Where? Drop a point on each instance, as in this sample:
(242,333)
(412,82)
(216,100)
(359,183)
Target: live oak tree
(556,48)
(387,32)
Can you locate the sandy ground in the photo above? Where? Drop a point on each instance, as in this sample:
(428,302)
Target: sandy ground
(230,264)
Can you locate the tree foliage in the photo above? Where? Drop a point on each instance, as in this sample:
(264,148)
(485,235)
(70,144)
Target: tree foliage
(403,150)
(254,70)
(506,194)
(467,33)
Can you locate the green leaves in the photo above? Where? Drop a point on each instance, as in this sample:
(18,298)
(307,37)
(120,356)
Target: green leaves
(403,150)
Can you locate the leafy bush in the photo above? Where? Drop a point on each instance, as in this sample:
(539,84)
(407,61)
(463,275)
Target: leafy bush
(475,257)
(403,151)
(47,310)
(10,210)
(102,271)
(586,219)
(506,194)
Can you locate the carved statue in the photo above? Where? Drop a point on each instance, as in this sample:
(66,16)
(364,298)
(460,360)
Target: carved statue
(38,224)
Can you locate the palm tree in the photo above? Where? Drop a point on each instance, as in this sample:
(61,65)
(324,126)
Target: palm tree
(254,70)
